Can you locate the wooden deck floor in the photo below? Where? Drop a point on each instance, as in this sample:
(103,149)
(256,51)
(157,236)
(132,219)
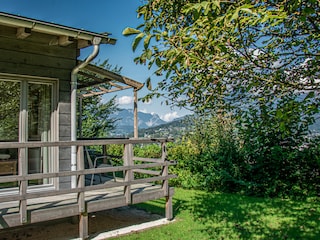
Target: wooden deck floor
(66,205)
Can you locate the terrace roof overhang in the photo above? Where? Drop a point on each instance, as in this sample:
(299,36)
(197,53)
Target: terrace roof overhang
(94,81)
(97,81)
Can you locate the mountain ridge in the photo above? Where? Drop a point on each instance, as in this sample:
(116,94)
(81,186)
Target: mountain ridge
(124,122)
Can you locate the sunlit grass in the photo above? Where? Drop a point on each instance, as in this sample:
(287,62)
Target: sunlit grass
(201,215)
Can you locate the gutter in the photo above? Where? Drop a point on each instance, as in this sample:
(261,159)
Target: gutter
(96,44)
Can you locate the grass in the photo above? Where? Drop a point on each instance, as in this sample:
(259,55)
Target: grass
(202,215)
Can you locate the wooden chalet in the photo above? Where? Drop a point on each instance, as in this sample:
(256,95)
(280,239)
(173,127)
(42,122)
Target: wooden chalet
(44,167)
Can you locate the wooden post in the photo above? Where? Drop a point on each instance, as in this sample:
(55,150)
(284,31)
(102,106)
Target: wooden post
(83,214)
(168,192)
(83,226)
(23,153)
(135,113)
(165,183)
(23,170)
(80,115)
(128,174)
(169,212)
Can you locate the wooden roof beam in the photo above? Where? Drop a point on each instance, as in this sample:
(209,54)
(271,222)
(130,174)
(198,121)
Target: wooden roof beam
(92,93)
(65,40)
(23,33)
(113,76)
(83,43)
(115,85)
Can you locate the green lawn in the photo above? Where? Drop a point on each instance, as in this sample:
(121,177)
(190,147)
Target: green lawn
(201,215)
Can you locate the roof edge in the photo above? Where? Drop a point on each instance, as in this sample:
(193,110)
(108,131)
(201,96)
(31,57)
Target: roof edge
(52,28)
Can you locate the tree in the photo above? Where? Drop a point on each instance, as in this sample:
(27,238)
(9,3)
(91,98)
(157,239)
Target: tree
(254,61)
(96,115)
(229,53)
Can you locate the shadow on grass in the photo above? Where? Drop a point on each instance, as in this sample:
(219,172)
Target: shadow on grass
(229,216)
(158,206)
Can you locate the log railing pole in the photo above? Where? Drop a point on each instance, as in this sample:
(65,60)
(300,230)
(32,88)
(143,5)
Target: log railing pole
(128,174)
(83,214)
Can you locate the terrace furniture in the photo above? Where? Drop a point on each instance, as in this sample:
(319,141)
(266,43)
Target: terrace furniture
(107,162)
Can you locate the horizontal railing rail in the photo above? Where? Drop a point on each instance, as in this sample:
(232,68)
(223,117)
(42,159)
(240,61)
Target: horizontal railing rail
(34,144)
(36,176)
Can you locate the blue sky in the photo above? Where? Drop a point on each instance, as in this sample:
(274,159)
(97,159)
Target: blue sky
(100,16)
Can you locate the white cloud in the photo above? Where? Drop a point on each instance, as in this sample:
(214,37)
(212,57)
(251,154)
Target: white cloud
(143,110)
(169,116)
(125,100)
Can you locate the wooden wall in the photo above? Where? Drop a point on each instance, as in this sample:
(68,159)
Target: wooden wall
(39,55)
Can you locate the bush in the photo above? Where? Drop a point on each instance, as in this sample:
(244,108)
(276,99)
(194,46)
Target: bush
(217,156)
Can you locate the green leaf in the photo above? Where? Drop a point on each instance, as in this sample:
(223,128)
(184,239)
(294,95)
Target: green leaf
(282,126)
(308,11)
(137,40)
(147,41)
(148,83)
(217,4)
(158,62)
(206,7)
(279,113)
(130,31)
(247,10)
(235,15)
(310,95)
(148,54)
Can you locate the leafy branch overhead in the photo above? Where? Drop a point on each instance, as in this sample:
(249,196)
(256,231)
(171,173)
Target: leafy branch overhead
(213,53)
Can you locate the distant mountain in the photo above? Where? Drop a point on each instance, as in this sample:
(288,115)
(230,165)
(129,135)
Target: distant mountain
(151,126)
(124,123)
(174,129)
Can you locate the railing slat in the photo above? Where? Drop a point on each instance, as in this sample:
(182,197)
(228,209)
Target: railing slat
(145,171)
(155,160)
(35,144)
(82,172)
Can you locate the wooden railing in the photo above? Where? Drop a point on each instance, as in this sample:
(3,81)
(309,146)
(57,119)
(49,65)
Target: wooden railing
(130,166)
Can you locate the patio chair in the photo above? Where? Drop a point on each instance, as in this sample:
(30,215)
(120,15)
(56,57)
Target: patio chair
(96,164)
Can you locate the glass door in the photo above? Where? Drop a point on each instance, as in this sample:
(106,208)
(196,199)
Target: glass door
(39,110)
(26,113)
(10,94)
